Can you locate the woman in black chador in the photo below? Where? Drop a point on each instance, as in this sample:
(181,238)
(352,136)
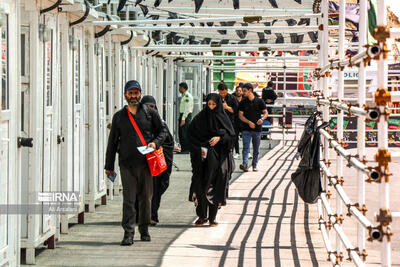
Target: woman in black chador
(212,137)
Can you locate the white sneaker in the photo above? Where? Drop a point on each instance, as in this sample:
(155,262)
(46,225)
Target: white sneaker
(250,156)
(236,156)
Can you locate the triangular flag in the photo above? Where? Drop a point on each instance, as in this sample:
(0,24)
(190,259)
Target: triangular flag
(236,4)
(144,9)
(157,3)
(198,4)
(121,5)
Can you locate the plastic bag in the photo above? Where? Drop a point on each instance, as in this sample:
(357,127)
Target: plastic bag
(307,177)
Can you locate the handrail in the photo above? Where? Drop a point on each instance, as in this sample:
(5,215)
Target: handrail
(371,52)
(352,208)
(334,221)
(322,226)
(344,153)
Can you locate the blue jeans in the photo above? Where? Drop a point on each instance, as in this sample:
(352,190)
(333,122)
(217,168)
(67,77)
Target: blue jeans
(255,138)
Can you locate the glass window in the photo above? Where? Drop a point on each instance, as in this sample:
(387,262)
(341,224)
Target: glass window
(76,70)
(23,54)
(87,65)
(107,70)
(123,72)
(5,90)
(22,111)
(107,103)
(48,73)
(100,72)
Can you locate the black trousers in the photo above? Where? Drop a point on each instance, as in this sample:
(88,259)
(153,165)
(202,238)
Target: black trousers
(205,209)
(183,133)
(137,183)
(160,185)
(237,132)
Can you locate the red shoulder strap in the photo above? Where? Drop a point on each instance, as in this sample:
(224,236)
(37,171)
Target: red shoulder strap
(136,128)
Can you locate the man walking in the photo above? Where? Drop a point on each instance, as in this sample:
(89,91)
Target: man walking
(252,111)
(185,116)
(269,96)
(230,105)
(160,182)
(135,174)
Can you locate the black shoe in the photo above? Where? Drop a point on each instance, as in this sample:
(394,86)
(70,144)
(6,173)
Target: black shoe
(145,237)
(213,223)
(255,168)
(127,241)
(244,168)
(144,232)
(200,221)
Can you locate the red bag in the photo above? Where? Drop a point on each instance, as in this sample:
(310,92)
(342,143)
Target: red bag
(155,159)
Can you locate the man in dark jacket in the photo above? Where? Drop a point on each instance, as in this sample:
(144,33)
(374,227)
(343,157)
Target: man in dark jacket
(135,174)
(229,102)
(160,182)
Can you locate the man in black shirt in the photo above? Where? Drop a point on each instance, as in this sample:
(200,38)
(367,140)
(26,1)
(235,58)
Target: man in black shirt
(269,96)
(135,173)
(252,112)
(229,102)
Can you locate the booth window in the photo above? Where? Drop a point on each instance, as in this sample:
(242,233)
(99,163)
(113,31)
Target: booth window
(76,70)
(5,90)
(123,72)
(107,70)
(101,72)
(48,73)
(107,103)
(23,54)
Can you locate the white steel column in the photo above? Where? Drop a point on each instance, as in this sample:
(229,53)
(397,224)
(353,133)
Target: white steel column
(361,119)
(110,71)
(118,97)
(35,157)
(118,77)
(324,51)
(170,96)
(111,88)
(67,112)
(340,92)
(93,118)
(134,64)
(284,102)
(383,134)
(150,76)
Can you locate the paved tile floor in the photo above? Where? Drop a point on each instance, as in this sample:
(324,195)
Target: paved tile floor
(96,243)
(264,224)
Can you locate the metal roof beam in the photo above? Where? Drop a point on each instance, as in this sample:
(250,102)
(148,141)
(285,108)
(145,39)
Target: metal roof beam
(198,20)
(280,29)
(231,48)
(247,9)
(245,57)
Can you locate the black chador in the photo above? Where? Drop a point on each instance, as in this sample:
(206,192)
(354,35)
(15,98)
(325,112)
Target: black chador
(211,173)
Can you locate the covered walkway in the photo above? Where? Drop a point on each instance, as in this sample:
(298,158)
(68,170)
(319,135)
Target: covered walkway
(263,224)
(64,64)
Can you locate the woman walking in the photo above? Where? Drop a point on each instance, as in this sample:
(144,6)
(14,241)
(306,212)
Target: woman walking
(212,137)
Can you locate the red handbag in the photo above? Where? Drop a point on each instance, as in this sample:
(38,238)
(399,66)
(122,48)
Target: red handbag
(155,159)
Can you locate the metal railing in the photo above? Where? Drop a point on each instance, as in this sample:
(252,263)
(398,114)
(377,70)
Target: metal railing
(378,169)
